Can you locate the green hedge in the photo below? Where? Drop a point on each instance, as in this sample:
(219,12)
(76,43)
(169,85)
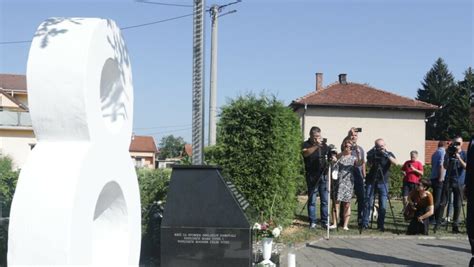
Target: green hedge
(396,179)
(258,146)
(153,187)
(8,180)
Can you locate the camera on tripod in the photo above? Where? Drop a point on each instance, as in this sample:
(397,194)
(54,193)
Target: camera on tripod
(332,151)
(453,149)
(379,154)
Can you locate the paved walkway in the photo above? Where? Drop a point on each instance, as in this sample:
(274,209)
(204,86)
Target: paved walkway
(373,251)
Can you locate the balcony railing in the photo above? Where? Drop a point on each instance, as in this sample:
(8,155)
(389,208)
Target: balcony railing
(12,119)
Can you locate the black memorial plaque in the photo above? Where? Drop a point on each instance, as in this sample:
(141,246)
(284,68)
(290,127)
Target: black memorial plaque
(204,222)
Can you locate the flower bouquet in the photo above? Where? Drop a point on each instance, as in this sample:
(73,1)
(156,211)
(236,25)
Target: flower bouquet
(266,230)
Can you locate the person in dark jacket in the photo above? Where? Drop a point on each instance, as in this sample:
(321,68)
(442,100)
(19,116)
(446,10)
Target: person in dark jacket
(469,192)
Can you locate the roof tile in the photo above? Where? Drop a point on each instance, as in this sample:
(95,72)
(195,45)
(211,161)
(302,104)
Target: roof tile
(143,144)
(359,95)
(13,81)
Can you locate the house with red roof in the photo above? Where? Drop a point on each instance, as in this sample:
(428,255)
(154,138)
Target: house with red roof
(143,151)
(337,107)
(16,132)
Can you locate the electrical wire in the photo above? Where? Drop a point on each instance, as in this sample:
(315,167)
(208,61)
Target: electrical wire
(170,131)
(161,127)
(156,22)
(123,28)
(163,4)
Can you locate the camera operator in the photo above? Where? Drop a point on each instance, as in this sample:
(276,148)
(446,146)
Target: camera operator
(314,154)
(379,161)
(455,165)
(359,171)
(469,193)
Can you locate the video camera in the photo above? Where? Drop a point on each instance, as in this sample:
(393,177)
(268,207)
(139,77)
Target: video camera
(331,149)
(379,154)
(453,149)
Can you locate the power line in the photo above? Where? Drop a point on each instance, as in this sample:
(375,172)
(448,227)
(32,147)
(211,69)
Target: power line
(161,127)
(163,4)
(156,22)
(170,131)
(123,28)
(15,42)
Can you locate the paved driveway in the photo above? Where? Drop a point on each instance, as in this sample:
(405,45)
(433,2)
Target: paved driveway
(373,251)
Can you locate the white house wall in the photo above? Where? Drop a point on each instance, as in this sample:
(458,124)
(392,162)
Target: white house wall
(402,130)
(16,145)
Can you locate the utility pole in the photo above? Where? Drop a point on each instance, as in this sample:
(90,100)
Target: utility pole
(198,82)
(213,80)
(215,10)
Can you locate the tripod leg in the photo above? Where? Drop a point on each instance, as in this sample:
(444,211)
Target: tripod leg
(462,204)
(304,206)
(372,205)
(448,203)
(391,209)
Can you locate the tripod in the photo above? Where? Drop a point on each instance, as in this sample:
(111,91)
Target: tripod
(379,173)
(327,169)
(448,187)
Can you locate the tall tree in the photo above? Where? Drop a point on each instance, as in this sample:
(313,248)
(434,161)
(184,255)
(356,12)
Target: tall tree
(438,87)
(468,83)
(459,107)
(171,146)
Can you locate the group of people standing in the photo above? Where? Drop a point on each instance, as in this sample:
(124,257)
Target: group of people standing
(349,176)
(448,177)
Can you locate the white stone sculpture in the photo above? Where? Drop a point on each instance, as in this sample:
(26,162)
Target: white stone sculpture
(77,199)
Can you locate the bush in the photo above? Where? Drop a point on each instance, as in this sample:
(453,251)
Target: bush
(8,180)
(396,179)
(258,146)
(153,187)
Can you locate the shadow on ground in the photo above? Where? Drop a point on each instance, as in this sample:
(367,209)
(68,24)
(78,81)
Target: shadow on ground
(377,258)
(458,249)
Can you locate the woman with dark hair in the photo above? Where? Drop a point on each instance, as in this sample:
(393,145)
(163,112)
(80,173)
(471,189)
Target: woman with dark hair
(420,201)
(345,181)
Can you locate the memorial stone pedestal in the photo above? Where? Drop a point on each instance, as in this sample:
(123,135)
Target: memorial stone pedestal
(204,222)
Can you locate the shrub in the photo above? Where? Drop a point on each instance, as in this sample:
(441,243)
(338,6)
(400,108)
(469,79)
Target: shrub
(258,147)
(8,180)
(396,179)
(153,187)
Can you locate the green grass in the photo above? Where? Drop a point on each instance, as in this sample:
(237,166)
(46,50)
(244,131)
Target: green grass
(300,232)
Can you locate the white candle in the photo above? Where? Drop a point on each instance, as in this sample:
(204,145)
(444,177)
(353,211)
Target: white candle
(291,259)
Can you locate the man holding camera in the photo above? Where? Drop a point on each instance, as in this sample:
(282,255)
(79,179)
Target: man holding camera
(413,170)
(314,154)
(469,193)
(379,161)
(455,165)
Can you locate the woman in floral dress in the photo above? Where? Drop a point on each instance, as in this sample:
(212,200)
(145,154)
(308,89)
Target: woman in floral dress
(345,180)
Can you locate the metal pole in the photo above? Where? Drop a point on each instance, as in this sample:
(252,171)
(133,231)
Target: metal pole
(213,81)
(198,82)
(329,200)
